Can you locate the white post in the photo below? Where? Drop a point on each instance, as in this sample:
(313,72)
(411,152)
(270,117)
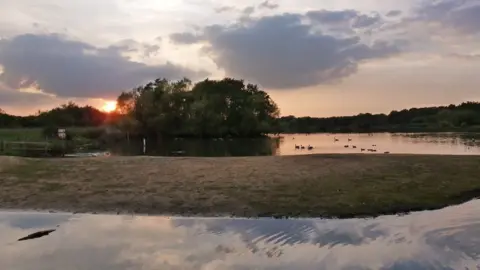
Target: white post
(144,146)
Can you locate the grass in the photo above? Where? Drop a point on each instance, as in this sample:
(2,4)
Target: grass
(21,134)
(31,142)
(290,186)
(36,134)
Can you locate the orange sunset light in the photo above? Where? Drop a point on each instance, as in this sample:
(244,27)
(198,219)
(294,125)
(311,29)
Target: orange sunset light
(109,106)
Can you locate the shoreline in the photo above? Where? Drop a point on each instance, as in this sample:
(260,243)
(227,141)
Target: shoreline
(318,186)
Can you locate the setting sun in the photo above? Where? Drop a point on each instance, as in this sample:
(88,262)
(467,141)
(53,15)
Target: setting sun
(109,106)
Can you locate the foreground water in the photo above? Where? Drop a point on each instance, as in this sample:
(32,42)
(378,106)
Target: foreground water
(442,239)
(418,143)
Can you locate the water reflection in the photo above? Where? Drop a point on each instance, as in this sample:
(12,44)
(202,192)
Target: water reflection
(443,239)
(418,143)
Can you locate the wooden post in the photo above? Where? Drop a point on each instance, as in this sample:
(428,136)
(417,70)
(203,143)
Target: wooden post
(144,146)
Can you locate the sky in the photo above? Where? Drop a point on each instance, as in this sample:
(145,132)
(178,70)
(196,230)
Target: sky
(314,57)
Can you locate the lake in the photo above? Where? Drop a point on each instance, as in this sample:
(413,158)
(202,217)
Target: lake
(415,143)
(441,239)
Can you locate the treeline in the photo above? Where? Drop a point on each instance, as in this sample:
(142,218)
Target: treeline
(463,117)
(67,115)
(229,107)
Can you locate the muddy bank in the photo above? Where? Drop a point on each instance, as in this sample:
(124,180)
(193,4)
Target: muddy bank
(307,186)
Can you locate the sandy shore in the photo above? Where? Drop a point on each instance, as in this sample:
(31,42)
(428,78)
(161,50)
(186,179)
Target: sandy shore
(307,186)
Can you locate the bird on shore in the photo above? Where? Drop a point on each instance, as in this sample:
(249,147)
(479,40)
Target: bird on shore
(363,149)
(354,146)
(374,145)
(310,147)
(335,140)
(297,147)
(349,139)
(346,146)
(302,147)
(387,152)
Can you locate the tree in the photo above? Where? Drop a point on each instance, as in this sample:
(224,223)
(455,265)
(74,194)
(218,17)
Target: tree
(209,108)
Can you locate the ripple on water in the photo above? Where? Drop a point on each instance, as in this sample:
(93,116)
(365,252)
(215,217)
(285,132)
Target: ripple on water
(442,239)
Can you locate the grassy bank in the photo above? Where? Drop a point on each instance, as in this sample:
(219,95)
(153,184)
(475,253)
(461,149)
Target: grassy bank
(307,186)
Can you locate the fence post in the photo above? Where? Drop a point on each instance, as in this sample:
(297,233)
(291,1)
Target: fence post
(144,146)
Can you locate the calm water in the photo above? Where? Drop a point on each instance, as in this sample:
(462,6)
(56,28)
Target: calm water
(443,239)
(424,143)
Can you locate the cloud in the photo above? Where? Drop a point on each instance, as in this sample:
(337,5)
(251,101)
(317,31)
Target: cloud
(68,68)
(394,13)
(224,9)
(348,18)
(469,57)
(365,21)
(267,5)
(185,38)
(460,15)
(332,17)
(248,11)
(284,52)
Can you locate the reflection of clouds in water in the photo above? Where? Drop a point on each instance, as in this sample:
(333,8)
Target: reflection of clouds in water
(290,232)
(445,239)
(33,220)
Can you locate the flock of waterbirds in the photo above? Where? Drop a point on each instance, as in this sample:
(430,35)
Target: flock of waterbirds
(335,139)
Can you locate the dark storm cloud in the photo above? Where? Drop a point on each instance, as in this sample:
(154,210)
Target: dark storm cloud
(462,15)
(75,69)
(284,52)
(268,5)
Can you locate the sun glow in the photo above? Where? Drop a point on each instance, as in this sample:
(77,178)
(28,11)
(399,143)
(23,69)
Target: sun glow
(109,106)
